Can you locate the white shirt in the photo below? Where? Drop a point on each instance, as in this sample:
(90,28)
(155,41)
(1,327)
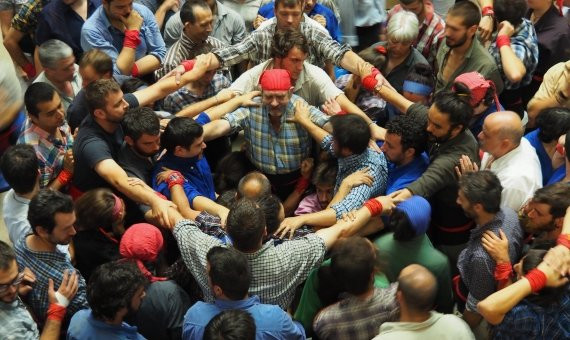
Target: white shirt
(438,326)
(76,85)
(313,85)
(519,173)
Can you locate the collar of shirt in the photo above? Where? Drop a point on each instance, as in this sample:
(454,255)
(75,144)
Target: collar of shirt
(505,159)
(182,162)
(55,256)
(20,199)
(477,232)
(124,327)
(42,134)
(237,304)
(353,161)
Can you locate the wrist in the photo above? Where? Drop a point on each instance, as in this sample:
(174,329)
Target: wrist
(503,40)
(374,207)
(302,185)
(55,312)
(132,39)
(64,177)
(537,279)
(488,11)
(564,239)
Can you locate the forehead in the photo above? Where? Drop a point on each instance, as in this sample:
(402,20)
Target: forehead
(10,273)
(146,138)
(437,117)
(454,21)
(274,93)
(202,13)
(392,139)
(121,3)
(542,208)
(282,7)
(296,52)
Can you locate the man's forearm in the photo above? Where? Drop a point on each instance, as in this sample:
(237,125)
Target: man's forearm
(178,197)
(202,203)
(323,218)
(350,107)
(316,132)
(147,64)
(512,66)
(216,112)
(197,108)
(126,60)
(391,96)
(354,64)
(51,330)
(11,42)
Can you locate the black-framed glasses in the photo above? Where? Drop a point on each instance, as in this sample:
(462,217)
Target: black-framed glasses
(4,287)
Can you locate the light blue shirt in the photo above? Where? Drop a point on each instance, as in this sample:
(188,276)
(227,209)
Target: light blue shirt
(271,322)
(97,32)
(85,327)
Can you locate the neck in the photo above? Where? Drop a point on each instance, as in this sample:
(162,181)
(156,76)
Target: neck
(567,177)
(106,125)
(77,4)
(484,218)
(461,50)
(539,12)
(366,294)
(36,243)
(504,152)
(117,321)
(60,85)
(196,88)
(30,194)
(408,316)
(407,161)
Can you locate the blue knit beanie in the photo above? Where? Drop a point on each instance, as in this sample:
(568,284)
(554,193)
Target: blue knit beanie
(418,211)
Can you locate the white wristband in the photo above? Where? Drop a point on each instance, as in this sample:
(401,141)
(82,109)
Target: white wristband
(61,300)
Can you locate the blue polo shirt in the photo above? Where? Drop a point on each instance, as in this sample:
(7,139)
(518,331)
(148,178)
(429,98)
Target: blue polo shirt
(268,11)
(543,157)
(84,326)
(399,177)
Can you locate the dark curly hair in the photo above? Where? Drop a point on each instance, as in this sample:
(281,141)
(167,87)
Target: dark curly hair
(411,131)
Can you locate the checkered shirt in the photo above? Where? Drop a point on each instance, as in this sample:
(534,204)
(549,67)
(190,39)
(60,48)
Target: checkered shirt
(185,49)
(357,319)
(524,43)
(178,100)
(26,20)
(50,151)
(375,161)
(257,46)
(270,151)
(431,32)
(48,265)
(276,271)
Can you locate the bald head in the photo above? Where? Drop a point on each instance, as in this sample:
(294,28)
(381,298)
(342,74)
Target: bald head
(507,125)
(254,185)
(418,287)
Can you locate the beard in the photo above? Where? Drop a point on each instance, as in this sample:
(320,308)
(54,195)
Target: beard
(439,140)
(531,228)
(454,44)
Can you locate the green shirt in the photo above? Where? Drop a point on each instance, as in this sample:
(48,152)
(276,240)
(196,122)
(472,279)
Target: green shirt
(419,250)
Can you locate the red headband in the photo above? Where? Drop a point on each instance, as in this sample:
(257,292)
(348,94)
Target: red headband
(117,208)
(478,87)
(275,80)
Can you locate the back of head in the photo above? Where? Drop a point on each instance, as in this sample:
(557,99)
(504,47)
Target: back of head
(325,173)
(44,206)
(271,206)
(253,185)
(352,263)
(455,106)
(111,288)
(466,10)
(132,85)
(421,74)
(187,10)
(403,27)
(350,131)
(410,218)
(411,130)
(509,126)
(180,131)
(556,195)
(418,287)
(230,170)
(229,270)
(37,93)
(553,123)
(482,187)
(97,209)
(98,60)
(476,89)
(285,40)
(19,166)
(7,256)
(139,121)
(227,198)
(375,55)
(52,51)
(512,11)
(232,324)
(97,91)
(246,225)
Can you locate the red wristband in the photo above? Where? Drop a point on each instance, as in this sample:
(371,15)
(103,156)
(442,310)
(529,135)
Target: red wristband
(161,195)
(175,178)
(503,271)
(537,279)
(64,177)
(503,40)
(135,70)
(342,112)
(564,239)
(30,70)
(302,185)
(188,64)
(132,39)
(374,206)
(369,82)
(55,312)
(488,10)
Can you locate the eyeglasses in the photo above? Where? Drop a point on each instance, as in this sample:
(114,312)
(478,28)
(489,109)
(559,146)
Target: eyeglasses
(4,287)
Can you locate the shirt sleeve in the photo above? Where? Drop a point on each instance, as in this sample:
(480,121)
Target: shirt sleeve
(95,151)
(326,144)
(439,174)
(248,80)
(237,53)
(354,200)
(154,43)
(93,38)
(482,281)
(237,118)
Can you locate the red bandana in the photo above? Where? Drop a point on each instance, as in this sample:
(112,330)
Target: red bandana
(275,80)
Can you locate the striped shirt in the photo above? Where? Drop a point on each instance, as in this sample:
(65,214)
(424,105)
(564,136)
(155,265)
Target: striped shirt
(275,152)
(49,150)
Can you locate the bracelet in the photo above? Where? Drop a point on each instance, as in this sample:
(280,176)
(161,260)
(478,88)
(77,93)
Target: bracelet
(503,40)
(374,206)
(564,239)
(132,39)
(488,11)
(30,70)
(188,65)
(302,185)
(55,312)
(369,82)
(175,178)
(503,271)
(537,279)
(135,70)
(64,177)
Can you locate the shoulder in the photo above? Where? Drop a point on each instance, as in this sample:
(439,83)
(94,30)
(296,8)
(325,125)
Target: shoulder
(143,11)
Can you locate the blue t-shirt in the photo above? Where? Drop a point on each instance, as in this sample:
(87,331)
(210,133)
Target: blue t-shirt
(84,326)
(399,177)
(543,157)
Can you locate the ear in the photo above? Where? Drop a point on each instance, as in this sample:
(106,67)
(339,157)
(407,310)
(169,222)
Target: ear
(558,222)
(129,141)
(217,290)
(99,113)
(409,152)
(178,151)
(472,30)
(33,118)
(42,232)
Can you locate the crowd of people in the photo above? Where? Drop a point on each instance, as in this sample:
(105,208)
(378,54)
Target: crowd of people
(288,169)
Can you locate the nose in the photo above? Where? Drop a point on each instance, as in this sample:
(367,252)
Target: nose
(274,102)
(204,145)
(290,19)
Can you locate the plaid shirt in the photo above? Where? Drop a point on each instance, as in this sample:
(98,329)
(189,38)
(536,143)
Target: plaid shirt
(375,161)
(185,49)
(26,20)
(49,150)
(371,104)
(524,43)
(530,321)
(357,319)
(276,271)
(48,265)
(178,100)
(257,46)
(431,31)
(270,151)
(17,323)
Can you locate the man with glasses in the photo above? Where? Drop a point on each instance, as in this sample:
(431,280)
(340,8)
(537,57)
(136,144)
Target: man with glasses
(16,320)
